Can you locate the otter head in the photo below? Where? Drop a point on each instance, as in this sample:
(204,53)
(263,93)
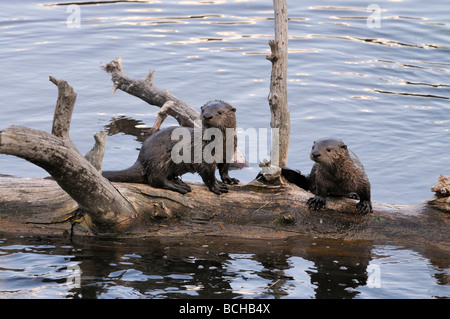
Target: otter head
(218,114)
(328,150)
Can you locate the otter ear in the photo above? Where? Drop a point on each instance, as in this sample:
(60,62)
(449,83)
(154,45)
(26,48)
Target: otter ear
(343,146)
(233,109)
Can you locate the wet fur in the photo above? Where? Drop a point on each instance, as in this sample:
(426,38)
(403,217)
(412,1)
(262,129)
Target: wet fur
(337,171)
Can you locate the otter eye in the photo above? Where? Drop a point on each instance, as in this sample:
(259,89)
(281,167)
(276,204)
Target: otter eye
(328,149)
(220,112)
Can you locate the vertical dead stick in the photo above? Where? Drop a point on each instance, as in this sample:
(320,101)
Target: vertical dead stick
(280,118)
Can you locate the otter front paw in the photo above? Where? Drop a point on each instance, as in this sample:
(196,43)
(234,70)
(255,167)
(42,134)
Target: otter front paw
(364,207)
(352,196)
(317,202)
(230,180)
(219,188)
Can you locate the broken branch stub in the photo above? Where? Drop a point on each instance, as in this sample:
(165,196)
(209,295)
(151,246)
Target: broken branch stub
(63,111)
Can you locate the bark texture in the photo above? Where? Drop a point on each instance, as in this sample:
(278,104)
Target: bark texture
(250,210)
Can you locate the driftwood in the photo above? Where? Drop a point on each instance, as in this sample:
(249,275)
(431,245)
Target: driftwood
(61,159)
(266,208)
(252,210)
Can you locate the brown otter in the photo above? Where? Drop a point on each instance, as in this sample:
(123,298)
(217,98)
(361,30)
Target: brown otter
(155,164)
(337,171)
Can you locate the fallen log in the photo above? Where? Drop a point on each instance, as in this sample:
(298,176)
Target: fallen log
(251,210)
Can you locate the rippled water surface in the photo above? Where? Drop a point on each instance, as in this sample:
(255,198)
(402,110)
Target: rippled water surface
(220,268)
(381,85)
(385,91)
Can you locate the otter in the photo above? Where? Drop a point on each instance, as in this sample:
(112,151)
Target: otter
(156,166)
(337,171)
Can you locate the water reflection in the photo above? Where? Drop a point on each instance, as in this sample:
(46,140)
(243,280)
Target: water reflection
(200,267)
(95,3)
(129,126)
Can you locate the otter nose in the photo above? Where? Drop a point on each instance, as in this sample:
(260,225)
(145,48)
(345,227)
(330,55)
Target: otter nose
(207,116)
(315,154)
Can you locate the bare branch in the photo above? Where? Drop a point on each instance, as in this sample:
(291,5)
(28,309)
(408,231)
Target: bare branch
(147,91)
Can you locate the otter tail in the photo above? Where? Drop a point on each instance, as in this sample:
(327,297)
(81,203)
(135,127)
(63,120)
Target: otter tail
(295,177)
(133,174)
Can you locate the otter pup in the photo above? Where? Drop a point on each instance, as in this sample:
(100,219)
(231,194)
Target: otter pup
(337,171)
(156,166)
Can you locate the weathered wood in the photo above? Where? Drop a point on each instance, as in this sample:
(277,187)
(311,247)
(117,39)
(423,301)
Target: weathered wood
(64,108)
(280,117)
(73,173)
(63,111)
(273,209)
(442,190)
(96,154)
(251,210)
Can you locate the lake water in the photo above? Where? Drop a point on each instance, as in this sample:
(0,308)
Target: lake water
(220,268)
(377,79)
